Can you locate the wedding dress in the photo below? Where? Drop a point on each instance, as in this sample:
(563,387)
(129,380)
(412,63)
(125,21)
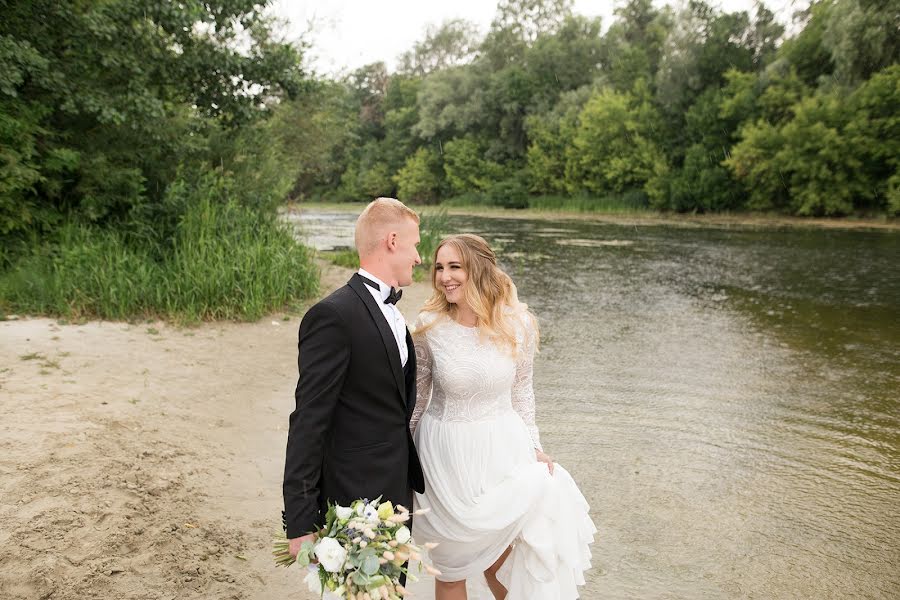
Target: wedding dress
(476,436)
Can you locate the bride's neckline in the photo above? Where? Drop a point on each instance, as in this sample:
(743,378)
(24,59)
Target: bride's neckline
(455,322)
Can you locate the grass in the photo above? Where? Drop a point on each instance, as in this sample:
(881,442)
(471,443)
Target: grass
(225,262)
(627,203)
(433,227)
(341,258)
(624,203)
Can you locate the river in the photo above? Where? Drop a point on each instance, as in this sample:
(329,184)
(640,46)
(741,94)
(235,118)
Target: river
(728,398)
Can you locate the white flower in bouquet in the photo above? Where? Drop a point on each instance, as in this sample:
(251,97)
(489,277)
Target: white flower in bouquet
(402,535)
(362,551)
(371,514)
(331,554)
(313,582)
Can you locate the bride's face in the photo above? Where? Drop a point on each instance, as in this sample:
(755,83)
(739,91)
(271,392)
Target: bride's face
(449,275)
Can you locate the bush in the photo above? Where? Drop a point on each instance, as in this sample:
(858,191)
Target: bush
(225,261)
(509,193)
(419,179)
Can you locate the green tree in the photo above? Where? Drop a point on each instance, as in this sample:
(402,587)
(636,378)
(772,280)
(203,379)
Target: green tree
(611,151)
(806,51)
(466,170)
(805,166)
(874,129)
(455,42)
(400,117)
(549,135)
(99,133)
(863,37)
(451,103)
(320,129)
(633,46)
(563,61)
(419,180)
(516,26)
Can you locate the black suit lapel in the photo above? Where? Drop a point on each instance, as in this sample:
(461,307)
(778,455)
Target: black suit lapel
(387,336)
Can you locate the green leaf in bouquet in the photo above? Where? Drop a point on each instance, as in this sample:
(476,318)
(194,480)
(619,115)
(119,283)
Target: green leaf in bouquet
(302,559)
(304,555)
(390,570)
(330,516)
(357,559)
(360,578)
(370,565)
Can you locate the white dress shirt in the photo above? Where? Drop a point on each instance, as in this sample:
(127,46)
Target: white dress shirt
(391,313)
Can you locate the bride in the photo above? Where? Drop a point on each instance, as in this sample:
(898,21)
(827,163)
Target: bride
(499,506)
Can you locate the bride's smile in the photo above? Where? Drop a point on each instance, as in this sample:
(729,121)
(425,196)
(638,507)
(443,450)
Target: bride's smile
(450,275)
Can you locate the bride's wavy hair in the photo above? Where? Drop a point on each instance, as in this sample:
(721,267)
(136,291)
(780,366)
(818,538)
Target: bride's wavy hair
(489,292)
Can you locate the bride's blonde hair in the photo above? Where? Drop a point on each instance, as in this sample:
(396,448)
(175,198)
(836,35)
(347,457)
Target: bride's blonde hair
(489,292)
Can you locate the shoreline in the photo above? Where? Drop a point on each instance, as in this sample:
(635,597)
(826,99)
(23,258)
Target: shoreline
(145,459)
(637,218)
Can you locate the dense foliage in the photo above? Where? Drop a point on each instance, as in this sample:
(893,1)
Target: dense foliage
(128,130)
(692,109)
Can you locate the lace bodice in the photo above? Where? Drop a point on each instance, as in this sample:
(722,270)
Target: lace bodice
(463,377)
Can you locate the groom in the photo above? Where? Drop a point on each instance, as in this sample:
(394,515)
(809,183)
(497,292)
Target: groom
(349,433)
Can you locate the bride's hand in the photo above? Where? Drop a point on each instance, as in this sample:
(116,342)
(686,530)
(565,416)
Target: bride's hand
(541,457)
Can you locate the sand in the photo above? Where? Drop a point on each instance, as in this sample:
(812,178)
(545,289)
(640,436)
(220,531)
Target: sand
(145,460)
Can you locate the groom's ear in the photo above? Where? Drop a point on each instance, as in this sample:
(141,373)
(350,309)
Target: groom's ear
(391,240)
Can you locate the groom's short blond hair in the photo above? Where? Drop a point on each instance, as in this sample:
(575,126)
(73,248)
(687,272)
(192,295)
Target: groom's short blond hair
(376,221)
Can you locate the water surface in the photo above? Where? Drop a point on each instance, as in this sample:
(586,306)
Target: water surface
(726,398)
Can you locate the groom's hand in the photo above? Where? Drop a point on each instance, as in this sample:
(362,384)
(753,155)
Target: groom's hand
(296,543)
(541,457)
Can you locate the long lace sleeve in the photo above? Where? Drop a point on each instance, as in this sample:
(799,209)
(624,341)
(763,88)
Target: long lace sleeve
(523,388)
(424,364)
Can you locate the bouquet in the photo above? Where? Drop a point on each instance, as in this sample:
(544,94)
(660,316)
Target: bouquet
(361,552)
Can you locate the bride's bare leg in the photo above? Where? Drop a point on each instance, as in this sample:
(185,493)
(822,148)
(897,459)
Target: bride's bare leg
(490,574)
(450,590)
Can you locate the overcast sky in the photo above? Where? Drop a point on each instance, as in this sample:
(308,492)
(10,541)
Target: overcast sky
(352,33)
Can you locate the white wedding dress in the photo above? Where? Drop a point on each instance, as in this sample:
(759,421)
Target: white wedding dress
(475,433)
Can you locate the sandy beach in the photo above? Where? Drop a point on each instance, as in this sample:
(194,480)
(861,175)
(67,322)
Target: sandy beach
(145,460)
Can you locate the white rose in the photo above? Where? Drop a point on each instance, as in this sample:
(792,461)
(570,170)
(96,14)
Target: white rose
(402,535)
(343,512)
(313,582)
(331,554)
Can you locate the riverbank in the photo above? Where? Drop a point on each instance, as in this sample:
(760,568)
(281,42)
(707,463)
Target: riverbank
(145,460)
(639,218)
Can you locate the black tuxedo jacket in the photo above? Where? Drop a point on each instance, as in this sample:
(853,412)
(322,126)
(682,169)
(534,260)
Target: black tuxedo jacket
(349,433)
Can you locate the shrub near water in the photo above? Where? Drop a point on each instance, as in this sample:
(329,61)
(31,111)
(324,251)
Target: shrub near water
(225,262)
(230,262)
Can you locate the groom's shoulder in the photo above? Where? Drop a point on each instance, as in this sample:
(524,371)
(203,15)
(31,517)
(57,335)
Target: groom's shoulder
(341,301)
(338,300)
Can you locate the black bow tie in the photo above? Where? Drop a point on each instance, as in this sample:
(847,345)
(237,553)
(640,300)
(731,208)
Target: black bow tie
(392,298)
